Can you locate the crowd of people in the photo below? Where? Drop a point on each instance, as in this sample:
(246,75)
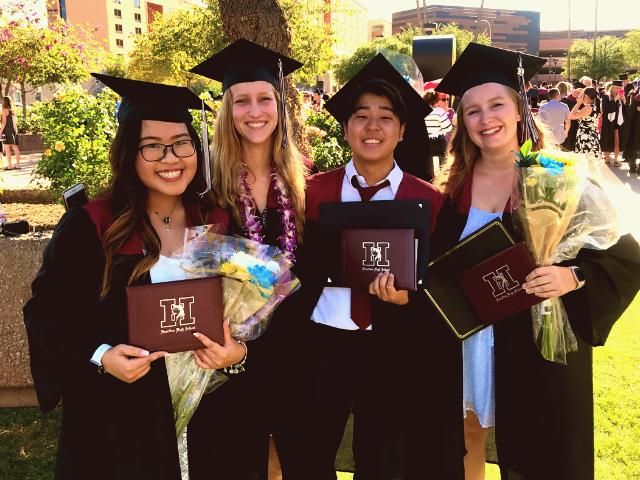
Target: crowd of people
(422,401)
(598,118)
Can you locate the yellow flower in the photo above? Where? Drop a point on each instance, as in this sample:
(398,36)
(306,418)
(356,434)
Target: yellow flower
(62,96)
(531,181)
(59,146)
(47,152)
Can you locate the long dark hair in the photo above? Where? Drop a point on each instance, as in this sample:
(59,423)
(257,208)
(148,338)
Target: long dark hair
(6,103)
(128,201)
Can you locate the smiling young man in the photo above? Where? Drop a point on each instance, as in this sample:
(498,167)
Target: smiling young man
(355,341)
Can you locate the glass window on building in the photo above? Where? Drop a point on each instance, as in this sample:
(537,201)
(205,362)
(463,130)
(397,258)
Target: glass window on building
(119,42)
(136,3)
(138,31)
(137,17)
(117,12)
(118,28)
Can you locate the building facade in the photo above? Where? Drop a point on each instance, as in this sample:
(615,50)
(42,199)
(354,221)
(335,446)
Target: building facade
(378,28)
(512,29)
(116,23)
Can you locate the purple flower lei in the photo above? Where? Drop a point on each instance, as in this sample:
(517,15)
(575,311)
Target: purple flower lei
(289,238)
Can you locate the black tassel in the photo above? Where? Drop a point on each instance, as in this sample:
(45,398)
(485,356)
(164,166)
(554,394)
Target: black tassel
(528,125)
(205,151)
(283,106)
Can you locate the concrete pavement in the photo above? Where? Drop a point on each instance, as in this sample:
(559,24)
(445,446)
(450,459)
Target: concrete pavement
(21,179)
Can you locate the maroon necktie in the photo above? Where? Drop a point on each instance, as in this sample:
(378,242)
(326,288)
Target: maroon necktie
(360,298)
(367,192)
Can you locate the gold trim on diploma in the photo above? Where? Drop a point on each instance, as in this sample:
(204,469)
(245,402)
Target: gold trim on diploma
(448,252)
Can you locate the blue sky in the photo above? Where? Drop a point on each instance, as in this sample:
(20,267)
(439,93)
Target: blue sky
(618,14)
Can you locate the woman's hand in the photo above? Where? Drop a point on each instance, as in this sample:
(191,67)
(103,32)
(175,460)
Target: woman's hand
(382,287)
(580,99)
(129,363)
(547,282)
(216,356)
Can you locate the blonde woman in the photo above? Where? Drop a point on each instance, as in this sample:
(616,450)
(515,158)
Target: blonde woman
(542,412)
(258,177)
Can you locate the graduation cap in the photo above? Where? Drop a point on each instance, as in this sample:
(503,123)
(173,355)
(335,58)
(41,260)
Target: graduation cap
(155,101)
(245,61)
(624,76)
(578,84)
(617,83)
(414,146)
(480,64)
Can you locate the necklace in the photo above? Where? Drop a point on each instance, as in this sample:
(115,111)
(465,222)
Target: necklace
(253,224)
(167,220)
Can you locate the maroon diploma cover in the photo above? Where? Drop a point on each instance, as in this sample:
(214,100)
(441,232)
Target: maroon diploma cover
(366,253)
(494,286)
(164,316)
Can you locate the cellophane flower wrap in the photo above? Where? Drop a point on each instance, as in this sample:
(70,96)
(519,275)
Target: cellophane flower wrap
(559,207)
(256,278)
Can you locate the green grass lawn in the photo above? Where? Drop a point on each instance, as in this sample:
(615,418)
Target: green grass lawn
(28,438)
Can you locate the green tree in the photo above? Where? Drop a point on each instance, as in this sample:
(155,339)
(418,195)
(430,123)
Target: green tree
(400,43)
(176,43)
(631,48)
(31,57)
(179,41)
(609,61)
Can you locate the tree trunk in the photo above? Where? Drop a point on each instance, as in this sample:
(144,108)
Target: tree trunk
(263,22)
(23,93)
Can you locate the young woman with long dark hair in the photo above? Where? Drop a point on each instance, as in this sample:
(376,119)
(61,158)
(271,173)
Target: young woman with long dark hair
(118,417)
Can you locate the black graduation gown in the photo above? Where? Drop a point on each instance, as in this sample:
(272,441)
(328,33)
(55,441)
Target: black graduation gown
(252,405)
(419,357)
(544,411)
(570,142)
(111,430)
(632,145)
(608,126)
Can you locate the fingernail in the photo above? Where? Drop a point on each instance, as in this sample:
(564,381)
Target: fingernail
(228,322)
(144,353)
(527,290)
(196,334)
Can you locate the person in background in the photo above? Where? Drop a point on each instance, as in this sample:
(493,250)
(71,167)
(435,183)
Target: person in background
(614,110)
(569,143)
(439,125)
(586,113)
(9,130)
(632,146)
(564,88)
(555,115)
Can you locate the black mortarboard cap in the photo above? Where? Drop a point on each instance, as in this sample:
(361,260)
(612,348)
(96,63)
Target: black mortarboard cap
(245,61)
(480,64)
(617,83)
(340,105)
(151,101)
(578,84)
(412,152)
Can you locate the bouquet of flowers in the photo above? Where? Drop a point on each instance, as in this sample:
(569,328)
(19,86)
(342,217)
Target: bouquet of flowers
(256,278)
(559,208)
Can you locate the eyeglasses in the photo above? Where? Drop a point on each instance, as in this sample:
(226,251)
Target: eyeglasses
(154,152)
(444,99)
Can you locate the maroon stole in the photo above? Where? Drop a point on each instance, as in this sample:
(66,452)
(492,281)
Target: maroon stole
(100,212)
(326,187)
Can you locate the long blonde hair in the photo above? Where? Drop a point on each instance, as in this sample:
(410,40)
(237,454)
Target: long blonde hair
(227,163)
(463,153)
